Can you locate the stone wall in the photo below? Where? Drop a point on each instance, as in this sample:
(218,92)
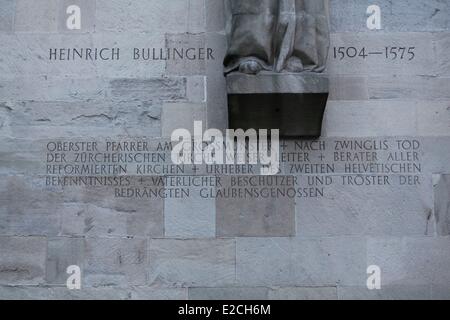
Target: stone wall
(172,248)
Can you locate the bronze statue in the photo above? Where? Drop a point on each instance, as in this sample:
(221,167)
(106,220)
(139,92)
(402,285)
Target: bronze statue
(277,36)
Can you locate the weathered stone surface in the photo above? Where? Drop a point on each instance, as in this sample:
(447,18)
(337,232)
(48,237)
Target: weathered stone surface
(26,209)
(115,261)
(181,116)
(19,156)
(369,119)
(231,293)
(62,293)
(355,47)
(151,16)
(52,89)
(411,261)
(384,117)
(215,17)
(303,293)
(301,262)
(433,118)
(185,263)
(22,260)
(440,292)
(442,43)
(254,217)
(62,253)
(399,292)
(97,211)
(384,210)
(196,64)
(7,15)
(409,87)
(45,120)
(348,88)
(413,15)
(442,204)
(36,16)
(193,217)
(216,93)
(166,89)
(196,89)
(436,149)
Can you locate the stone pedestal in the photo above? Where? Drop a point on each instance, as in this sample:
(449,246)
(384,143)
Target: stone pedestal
(293,103)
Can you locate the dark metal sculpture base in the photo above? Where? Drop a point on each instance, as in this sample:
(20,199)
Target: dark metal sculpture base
(296,115)
(294,103)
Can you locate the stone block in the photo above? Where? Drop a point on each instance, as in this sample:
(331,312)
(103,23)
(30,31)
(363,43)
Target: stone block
(27,209)
(192,217)
(91,220)
(98,211)
(192,263)
(61,293)
(382,210)
(436,149)
(433,118)
(369,119)
(20,157)
(409,88)
(62,253)
(217,111)
(398,292)
(36,16)
(442,44)
(192,64)
(181,116)
(301,262)
(439,292)
(7,13)
(52,89)
(411,261)
(231,293)
(152,16)
(22,261)
(257,216)
(196,89)
(442,204)
(162,89)
(45,120)
(215,16)
(348,88)
(303,293)
(115,261)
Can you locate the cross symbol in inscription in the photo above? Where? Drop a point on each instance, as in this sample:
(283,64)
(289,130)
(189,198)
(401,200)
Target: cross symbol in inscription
(284,145)
(321,157)
(195,168)
(141,180)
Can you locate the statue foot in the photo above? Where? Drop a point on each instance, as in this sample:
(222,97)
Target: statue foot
(294,64)
(250,67)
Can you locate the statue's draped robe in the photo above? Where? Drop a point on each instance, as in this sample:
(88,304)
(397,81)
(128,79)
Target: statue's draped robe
(282,35)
